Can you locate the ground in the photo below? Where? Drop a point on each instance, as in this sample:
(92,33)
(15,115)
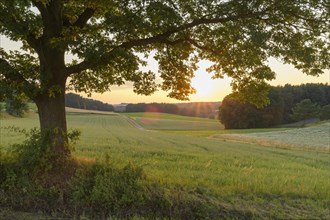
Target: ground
(248,177)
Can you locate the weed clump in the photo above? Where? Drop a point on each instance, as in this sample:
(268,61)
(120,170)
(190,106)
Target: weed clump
(99,189)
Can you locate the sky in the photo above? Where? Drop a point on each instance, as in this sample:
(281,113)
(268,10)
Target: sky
(208,89)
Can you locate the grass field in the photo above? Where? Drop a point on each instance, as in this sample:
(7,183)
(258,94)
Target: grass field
(269,182)
(160,121)
(166,116)
(212,133)
(310,138)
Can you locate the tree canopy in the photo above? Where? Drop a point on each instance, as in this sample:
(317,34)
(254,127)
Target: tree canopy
(325,112)
(106,37)
(110,39)
(305,109)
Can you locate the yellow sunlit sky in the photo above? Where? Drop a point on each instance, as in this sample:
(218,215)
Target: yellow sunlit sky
(208,89)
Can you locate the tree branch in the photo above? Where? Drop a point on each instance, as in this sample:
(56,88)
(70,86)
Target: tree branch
(202,47)
(40,6)
(77,68)
(33,42)
(84,17)
(161,38)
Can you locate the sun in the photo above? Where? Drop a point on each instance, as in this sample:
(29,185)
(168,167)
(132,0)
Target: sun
(204,85)
(203,91)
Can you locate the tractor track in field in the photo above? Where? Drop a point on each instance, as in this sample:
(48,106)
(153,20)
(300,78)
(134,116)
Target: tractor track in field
(133,123)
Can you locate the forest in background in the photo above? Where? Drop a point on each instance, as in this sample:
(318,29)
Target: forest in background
(236,115)
(76,101)
(231,113)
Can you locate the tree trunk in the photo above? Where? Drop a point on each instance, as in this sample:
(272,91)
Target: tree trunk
(51,110)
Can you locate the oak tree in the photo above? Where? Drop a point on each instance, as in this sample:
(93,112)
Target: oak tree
(110,40)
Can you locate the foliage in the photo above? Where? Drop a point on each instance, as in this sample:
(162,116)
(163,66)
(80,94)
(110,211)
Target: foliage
(102,190)
(325,112)
(153,107)
(30,176)
(76,101)
(237,37)
(305,109)
(234,114)
(36,157)
(32,150)
(16,106)
(194,109)
(231,113)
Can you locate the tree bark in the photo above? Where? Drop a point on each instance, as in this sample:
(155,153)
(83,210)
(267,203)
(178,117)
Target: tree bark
(51,110)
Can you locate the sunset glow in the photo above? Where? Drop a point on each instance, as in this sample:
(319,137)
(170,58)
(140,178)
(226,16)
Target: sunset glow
(204,86)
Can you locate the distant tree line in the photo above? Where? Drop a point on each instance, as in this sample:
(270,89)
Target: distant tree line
(194,109)
(199,109)
(234,114)
(153,107)
(76,101)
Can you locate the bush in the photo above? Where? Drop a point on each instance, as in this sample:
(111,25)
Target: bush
(35,154)
(32,178)
(325,112)
(304,110)
(16,107)
(102,190)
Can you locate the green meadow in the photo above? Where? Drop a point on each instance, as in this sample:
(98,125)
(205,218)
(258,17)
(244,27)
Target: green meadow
(160,121)
(266,181)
